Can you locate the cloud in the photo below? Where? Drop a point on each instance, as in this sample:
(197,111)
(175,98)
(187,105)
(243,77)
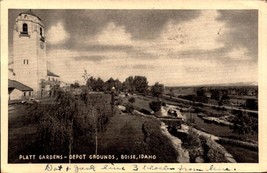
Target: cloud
(57,34)
(201,33)
(242,30)
(138,66)
(174,47)
(94,58)
(112,35)
(239,53)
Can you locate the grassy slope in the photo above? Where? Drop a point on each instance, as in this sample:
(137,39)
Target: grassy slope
(238,154)
(124,135)
(21,133)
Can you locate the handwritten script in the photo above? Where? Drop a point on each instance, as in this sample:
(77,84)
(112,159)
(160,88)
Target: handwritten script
(135,168)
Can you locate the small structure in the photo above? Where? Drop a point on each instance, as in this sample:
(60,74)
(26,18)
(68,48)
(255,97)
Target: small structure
(18,91)
(52,76)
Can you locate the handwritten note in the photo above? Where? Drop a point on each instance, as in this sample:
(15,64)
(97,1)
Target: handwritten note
(76,168)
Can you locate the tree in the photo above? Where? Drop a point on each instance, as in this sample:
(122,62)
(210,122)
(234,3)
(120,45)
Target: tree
(75,85)
(109,84)
(157,89)
(171,92)
(117,84)
(155,105)
(225,97)
(95,84)
(245,123)
(201,96)
(99,84)
(85,76)
(135,84)
(215,94)
(128,84)
(200,92)
(251,104)
(140,84)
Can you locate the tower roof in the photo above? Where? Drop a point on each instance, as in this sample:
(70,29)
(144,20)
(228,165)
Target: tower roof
(29,12)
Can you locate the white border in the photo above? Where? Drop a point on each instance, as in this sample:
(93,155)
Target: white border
(138,4)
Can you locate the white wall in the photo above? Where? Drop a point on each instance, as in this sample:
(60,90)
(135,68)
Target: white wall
(19,95)
(28,47)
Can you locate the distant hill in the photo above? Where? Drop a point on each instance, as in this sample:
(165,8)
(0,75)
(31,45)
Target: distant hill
(234,84)
(222,85)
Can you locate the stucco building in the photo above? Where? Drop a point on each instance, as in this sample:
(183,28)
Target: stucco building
(29,57)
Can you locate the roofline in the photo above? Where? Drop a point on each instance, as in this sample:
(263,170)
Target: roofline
(30,89)
(29,12)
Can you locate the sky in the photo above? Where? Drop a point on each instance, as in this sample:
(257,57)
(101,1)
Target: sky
(173,47)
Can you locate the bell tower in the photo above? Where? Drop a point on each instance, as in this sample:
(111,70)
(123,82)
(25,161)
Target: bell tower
(29,50)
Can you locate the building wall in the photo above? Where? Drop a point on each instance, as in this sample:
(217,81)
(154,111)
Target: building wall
(52,78)
(28,48)
(16,94)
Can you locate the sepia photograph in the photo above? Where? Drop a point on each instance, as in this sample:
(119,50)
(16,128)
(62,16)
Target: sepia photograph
(135,86)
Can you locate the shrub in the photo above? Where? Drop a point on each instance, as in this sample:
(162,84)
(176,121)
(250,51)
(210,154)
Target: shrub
(197,110)
(144,111)
(131,100)
(155,105)
(214,153)
(192,139)
(224,109)
(129,108)
(120,101)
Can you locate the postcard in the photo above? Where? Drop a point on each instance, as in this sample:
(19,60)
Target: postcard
(131,86)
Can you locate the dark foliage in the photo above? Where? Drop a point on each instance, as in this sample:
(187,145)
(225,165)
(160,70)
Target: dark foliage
(70,122)
(245,124)
(131,100)
(155,105)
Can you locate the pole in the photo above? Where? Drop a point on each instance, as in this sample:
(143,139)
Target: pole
(112,100)
(95,118)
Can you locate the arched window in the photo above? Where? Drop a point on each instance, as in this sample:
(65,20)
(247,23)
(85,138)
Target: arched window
(41,31)
(25,28)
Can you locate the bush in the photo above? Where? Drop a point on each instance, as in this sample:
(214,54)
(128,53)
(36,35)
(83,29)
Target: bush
(224,109)
(214,153)
(197,110)
(129,108)
(155,105)
(192,139)
(144,111)
(119,101)
(131,100)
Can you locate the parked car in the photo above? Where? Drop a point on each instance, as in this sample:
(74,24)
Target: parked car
(30,101)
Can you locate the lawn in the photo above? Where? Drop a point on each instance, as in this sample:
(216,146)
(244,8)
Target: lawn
(125,134)
(242,155)
(142,103)
(129,134)
(21,133)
